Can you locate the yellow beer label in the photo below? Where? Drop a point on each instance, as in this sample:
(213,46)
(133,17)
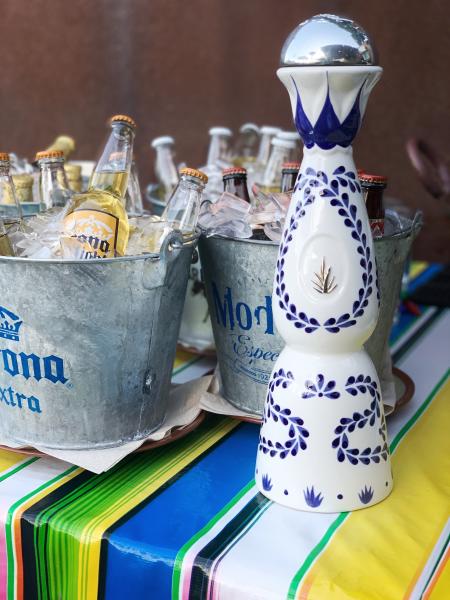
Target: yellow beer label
(97,230)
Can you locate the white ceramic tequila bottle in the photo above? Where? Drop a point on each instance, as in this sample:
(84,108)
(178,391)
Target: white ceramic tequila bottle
(323,444)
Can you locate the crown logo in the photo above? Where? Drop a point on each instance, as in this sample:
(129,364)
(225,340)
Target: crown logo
(328,131)
(9,324)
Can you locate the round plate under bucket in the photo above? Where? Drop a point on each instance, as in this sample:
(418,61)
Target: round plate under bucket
(172,436)
(404,389)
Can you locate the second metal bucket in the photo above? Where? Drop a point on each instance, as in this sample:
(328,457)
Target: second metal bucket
(87,347)
(239,279)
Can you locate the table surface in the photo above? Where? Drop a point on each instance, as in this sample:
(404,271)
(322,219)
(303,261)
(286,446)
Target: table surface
(186,521)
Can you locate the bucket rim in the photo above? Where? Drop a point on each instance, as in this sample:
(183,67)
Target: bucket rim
(155,256)
(241,240)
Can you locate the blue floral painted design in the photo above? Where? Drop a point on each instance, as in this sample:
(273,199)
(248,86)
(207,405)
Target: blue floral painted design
(266,483)
(366,495)
(320,389)
(328,131)
(297,433)
(316,183)
(355,385)
(312,498)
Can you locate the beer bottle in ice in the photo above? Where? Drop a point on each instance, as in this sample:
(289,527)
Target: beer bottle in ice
(183,207)
(282,151)
(97,218)
(235,182)
(289,173)
(54,188)
(10,209)
(373,187)
(165,169)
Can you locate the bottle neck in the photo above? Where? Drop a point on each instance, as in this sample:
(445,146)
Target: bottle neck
(113,168)
(53,186)
(373,197)
(165,168)
(237,186)
(264,148)
(288,179)
(218,149)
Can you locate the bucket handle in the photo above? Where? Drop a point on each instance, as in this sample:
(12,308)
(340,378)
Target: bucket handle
(155,269)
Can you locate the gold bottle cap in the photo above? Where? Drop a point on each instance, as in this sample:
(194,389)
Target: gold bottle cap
(49,154)
(124,119)
(194,173)
(4,156)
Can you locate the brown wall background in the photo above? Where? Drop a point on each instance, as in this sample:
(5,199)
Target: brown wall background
(180,67)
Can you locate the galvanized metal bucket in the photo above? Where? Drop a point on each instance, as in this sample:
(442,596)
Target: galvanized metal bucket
(87,347)
(239,279)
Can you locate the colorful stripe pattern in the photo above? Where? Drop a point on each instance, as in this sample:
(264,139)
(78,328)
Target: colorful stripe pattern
(185,520)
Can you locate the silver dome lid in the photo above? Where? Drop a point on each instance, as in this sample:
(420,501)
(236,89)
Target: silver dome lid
(328,40)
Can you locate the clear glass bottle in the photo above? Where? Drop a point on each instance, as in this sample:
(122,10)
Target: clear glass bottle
(219,152)
(133,196)
(54,188)
(267,134)
(98,217)
(165,169)
(183,206)
(282,151)
(246,146)
(292,136)
(10,209)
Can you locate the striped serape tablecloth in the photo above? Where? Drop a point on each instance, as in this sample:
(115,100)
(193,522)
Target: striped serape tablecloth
(186,521)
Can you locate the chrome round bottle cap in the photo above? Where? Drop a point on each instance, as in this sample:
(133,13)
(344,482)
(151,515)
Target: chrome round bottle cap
(328,40)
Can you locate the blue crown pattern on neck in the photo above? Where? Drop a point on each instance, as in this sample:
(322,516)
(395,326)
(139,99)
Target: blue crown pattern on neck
(328,131)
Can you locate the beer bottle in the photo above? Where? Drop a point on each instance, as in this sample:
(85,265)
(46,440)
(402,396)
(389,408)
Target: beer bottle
(289,173)
(292,136)
(373,187)
(183,206)
(282,151)
(219,146)
(267,134)
(98,217)
(246,144)
(10,209)
(235,182)
(165,169)
(53,185)
(64,144)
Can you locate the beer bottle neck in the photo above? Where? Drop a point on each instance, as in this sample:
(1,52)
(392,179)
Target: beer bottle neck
(113,168)
(53,185)
(237,186)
